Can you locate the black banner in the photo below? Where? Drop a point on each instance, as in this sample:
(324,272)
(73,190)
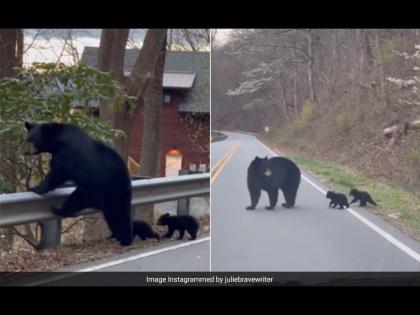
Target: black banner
(211,279)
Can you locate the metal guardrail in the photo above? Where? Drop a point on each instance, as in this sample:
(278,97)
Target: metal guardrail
(28,207)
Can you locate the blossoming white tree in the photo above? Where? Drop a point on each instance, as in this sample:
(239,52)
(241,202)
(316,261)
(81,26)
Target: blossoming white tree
(397,129)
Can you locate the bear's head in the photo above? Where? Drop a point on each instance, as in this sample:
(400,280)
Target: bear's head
(262,166)
(163,220)
(353,192)
(330,194)
(41,137)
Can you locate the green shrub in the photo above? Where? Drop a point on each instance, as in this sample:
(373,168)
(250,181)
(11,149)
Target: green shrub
(45,93)
(343,121)
(305,116)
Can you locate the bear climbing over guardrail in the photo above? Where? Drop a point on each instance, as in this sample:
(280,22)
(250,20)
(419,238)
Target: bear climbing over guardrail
(100,174)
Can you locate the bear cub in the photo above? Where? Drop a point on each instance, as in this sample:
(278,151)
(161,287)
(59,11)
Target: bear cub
(181,223)
(337,200)
(143,230)
(362,196)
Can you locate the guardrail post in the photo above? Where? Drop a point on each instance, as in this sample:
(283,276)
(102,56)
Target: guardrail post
(183,205)
(143,212)
(50,233)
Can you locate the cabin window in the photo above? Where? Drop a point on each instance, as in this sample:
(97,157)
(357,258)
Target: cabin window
(167,98)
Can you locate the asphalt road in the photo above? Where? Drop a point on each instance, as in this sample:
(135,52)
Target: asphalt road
(172,256)
(177,256)
(309,237)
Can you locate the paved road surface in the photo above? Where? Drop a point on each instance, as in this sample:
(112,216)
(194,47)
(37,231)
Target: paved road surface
(177,256)
(310,237)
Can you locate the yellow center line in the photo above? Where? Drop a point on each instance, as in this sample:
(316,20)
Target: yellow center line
(223,161)
(216,166)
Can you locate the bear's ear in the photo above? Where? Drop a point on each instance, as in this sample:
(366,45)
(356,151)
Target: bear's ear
(29,126)
(166,215)
(266,157)
(256,158)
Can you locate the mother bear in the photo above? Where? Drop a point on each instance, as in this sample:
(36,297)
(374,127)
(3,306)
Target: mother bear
(271,175)
(100,174)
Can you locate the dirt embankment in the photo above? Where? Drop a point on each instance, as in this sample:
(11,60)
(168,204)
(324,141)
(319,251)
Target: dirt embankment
(353,137)
(25,259)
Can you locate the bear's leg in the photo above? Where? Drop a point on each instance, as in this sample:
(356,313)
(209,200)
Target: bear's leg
(273,194)
(181,234)
(54,179)
(193,233)
(118,217)
(289,196)
(110,221)
(255,196)
(77,201)
(170,232)
(156,236)
(150,234)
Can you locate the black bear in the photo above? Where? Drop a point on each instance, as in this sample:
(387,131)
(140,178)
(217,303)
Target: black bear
(271,175)
(99,173)
(362,196)
(143,230)
(180,223)
(337,200)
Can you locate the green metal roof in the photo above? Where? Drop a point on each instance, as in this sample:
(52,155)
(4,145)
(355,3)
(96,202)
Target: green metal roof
(197,99)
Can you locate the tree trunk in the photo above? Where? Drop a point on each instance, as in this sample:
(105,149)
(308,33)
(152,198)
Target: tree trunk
(11,55)
(145,82)
(382,69)
(8,51)
(150,153)
(311,68)
(284,107)
(397,130)
(368,48)
(169,45)
(295,68)
(111,59)
(19,47)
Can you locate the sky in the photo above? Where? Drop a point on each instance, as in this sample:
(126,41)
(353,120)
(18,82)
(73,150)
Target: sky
(222,35)
(46,45)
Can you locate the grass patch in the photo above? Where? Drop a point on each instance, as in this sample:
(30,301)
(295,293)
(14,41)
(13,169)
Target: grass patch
(395,204)
(217,136)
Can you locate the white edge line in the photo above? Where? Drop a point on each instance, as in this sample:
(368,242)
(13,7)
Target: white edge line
(410,252)
(121,261)
(147,254)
